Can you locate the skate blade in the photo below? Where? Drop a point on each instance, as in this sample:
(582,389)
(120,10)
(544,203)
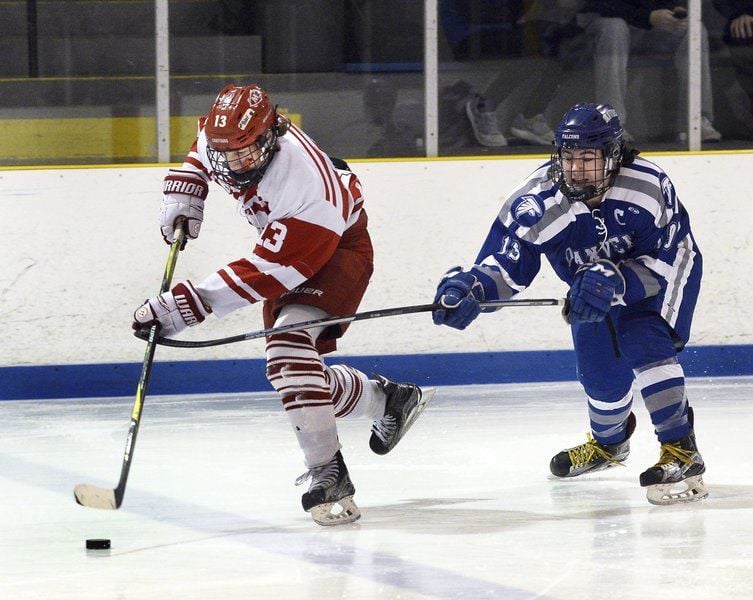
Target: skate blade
(323,513)
(662,494)
(426,395)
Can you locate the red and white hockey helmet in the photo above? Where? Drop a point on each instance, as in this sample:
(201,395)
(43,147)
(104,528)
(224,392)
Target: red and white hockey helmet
(242,130)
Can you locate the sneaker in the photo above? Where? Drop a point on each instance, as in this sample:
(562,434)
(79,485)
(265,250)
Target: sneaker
(592,456)
(405,401)
(484,123)
(679,463)
(708,133)
(534,130)
(330,486)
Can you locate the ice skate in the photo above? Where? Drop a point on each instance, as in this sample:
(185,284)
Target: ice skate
(405,401)
(680,464)
(592,456)
(330,487)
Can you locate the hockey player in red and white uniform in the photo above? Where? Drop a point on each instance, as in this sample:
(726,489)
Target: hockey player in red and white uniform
(313,259)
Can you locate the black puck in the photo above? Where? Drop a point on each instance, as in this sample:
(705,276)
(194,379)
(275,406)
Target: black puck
(98,544)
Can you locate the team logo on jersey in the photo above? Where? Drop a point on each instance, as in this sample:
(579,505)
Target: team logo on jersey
(528,210)
(668,191)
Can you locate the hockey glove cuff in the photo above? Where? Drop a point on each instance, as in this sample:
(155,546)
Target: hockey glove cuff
(175,310)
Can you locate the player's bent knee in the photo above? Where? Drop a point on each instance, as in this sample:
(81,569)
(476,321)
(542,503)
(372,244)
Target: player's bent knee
(293,364)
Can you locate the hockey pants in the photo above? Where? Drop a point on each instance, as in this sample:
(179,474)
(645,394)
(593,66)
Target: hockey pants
(631,344)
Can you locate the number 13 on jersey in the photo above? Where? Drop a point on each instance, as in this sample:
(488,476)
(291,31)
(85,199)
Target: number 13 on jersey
(274,236)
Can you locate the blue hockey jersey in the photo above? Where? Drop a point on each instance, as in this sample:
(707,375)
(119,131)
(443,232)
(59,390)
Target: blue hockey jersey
(640,225)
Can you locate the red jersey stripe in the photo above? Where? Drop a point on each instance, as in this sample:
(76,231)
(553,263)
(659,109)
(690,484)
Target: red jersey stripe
(263,284)
(235,287)
(330,178)
(322,170)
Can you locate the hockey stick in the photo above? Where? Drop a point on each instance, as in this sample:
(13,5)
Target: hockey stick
(372,314)
(97,497)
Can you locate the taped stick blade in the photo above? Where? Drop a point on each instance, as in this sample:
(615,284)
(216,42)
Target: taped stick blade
(92,496)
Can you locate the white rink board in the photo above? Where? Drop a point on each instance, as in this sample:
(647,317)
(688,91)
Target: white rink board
(81,249)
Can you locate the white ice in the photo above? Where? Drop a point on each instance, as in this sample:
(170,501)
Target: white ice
(463,508)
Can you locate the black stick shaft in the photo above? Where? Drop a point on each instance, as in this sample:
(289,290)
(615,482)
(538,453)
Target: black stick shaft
(146,370)
(327,321)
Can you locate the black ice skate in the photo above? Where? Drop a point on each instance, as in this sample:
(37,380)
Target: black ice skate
(405,401)
(680,463)
(330,486)
(592,456)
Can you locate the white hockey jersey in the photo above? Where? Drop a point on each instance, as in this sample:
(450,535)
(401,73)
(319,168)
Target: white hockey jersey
(301,208)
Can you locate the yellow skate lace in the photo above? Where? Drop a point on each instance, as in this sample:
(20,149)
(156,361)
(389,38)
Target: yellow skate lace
(582,455)
(671,451)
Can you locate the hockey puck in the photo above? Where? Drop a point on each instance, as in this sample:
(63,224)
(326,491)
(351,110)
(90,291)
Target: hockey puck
(99,544)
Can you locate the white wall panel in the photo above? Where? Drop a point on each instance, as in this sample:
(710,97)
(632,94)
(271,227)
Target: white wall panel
(81,249)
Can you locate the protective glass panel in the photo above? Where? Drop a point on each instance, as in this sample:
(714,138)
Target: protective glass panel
(348,73)
(77,82)
(729,24)
(511,68)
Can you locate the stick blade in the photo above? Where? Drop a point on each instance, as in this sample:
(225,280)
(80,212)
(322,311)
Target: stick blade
(92,496)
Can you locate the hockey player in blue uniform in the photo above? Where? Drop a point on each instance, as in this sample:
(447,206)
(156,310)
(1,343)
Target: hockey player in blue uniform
(610,224)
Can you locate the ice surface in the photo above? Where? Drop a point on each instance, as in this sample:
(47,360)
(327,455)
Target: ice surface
(463,508)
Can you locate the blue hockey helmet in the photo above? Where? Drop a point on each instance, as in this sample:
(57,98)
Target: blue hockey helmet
(589,126)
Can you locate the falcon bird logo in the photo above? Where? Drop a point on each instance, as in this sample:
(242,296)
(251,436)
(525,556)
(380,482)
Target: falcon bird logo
(528,210)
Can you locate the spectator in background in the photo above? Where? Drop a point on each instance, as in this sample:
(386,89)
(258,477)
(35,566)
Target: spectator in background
(397,129)
(738,35)
(618,28)
(549,23)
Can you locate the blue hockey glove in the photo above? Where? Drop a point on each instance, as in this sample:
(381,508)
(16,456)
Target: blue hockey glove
(596,288)
(459,293)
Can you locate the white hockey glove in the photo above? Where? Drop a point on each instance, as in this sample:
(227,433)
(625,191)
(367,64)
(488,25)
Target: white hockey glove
(184,195)
(175,310)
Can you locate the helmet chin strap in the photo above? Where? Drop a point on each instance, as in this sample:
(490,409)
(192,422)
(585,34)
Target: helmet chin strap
(584,194)
(594,201)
